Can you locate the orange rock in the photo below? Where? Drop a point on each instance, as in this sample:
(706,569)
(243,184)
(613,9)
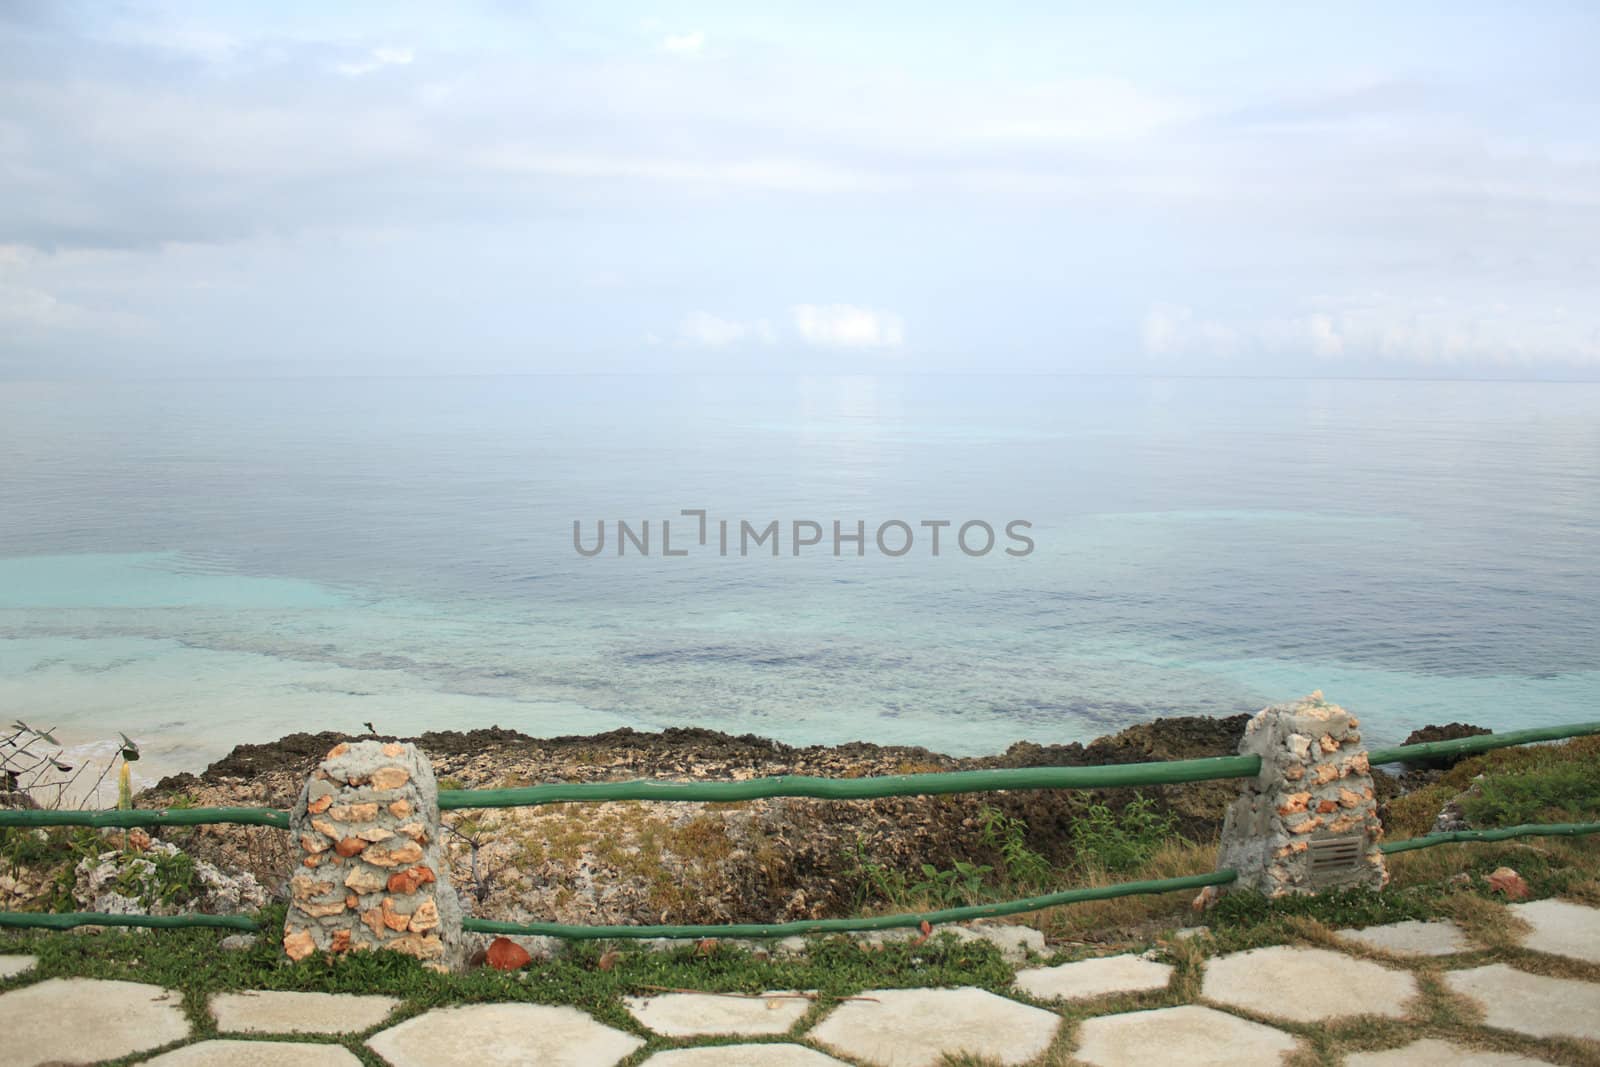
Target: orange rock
(394,920)
(426,917)
(1306,826)
(338,750)
(1294,772)
(390,777)
(312,860)
(138,840)
(1325,773)
(313,843)
(408,881)
(1507,881)
(1348,799)
(506,955)
(298,944)
(354,812)
(1325,807)
(349,846)
(375,833)
(352,902)
(373,918)
(393,856)
(393,749)
(340,942)
(1294,803)
(400,809)
(326,828)
(320,805)
(416,831)
(1327,743)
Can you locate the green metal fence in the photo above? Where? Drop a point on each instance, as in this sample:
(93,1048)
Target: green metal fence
(1171,772)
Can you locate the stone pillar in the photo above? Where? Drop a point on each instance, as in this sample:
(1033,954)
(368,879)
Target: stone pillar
(1309,821)
(372,871)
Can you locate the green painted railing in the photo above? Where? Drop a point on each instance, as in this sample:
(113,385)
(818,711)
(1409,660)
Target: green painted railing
(1102,777)
(1467,746)
(1504,833)
(895,785)
(146,817)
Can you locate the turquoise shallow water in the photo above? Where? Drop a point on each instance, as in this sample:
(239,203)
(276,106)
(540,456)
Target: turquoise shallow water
(202,563)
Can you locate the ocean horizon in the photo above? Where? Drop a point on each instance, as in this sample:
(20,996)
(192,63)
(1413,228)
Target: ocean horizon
(204,563)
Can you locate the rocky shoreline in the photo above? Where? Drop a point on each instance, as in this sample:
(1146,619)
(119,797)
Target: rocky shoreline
(655,862)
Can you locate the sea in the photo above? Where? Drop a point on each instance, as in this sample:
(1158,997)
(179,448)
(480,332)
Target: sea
(202,563)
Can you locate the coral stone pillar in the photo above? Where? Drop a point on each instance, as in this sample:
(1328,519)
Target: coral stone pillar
(372,872)
(1309,821)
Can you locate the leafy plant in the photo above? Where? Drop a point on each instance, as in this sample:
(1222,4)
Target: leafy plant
(1559,792)
(1119,842)
(1021,865)
(157,878)
(962,884)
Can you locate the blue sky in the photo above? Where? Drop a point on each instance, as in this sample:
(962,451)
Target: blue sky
(240,189)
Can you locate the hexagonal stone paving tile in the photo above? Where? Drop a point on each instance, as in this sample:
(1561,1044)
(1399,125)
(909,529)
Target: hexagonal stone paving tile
(1094,978)
(1433,1053)
(255,1054)
(692,1014)
(744,1056)
(1561,929)
(918,1027)
(1188,1036)
(39,1021)
(1306,984)
(1412,938)
(502,1035)
(1530,1003)
(271,1012)
(11,966)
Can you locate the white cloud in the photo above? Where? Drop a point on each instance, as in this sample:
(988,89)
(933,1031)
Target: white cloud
(684,44)
(701,329)
(847,326)
(1424,331)
(377,59)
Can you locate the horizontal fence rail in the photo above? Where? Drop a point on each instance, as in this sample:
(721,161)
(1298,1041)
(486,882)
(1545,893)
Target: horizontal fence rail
(874,922)
(1470,746)
(1124,775)
(1107,776)
(145,817)
(1505,833)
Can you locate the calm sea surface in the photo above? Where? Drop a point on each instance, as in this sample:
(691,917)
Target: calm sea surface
(203,563)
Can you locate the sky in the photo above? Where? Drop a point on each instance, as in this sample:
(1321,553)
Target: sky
(241,189)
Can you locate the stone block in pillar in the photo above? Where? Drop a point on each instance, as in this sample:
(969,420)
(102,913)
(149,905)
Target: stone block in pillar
(372,873)
(1309,820)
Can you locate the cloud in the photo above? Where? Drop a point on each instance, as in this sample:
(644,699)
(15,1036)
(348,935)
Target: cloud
(1438,331)
(684,44)
(377,59)
(701,329)
(847,326)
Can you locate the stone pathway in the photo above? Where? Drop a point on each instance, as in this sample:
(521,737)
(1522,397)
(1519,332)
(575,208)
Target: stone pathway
(1248,1010)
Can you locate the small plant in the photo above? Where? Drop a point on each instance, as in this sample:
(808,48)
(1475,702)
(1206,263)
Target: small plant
(1120,842)
(158,878)
(1021,865)
(1559,792)
(965,883)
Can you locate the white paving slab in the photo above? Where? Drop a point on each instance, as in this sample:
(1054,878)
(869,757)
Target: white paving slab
(502,1035)
(272,1012)
(85,1020)
(255,1054)
(1188,1036)
(1530,1003)
(1306,984)
(919,1027)
(1434,1053)
(744,1056)
(11,966)
(693,1014)
(1561,929)
(1412,938)
(1094,978)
